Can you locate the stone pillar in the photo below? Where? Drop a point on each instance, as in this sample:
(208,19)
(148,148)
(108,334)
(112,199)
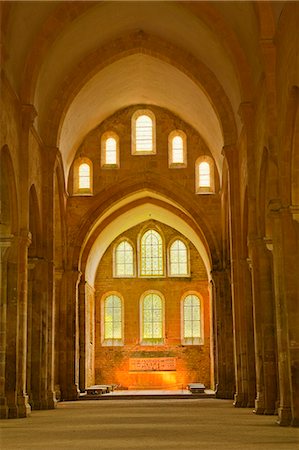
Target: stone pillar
(22,398)
(39,369)
(241,295)
(69,354)
(285,256)
(5,243)
(82,336)
(50,334)
(57,333)
(223,334)
(16,399)
(264,327)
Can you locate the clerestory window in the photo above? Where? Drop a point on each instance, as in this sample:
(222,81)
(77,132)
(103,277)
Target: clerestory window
(82,176)
(177,152)
(110,150)
(143,133)
(205,183)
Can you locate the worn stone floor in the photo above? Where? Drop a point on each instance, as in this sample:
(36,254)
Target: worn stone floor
(201,424)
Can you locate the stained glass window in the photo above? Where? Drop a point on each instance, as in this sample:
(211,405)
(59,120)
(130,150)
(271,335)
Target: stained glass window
(204,174)
(124,260)
(192,320)
(144,134)
(152,318)
(112,318)
(151,254)
(178,258)
(177,150)
(110,154)
(84,176)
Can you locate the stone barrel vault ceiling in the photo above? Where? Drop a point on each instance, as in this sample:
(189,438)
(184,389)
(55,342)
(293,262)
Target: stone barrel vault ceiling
(201,74)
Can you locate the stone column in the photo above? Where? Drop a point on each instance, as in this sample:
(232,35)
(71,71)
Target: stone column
(5,244)
(285,256)
(22,398)
(82,336)
(57,332)
(50,394)
(50,156)
(69,331)
(16,327)
(223,334)
(39,346)
(241,295)
(264,327)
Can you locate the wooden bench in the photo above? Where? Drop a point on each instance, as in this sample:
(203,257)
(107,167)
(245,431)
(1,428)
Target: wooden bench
(196,388)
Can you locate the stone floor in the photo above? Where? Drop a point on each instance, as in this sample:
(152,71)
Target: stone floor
(201,424)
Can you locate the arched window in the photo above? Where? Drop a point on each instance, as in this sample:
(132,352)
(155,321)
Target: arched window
(191,323)
(205,183)
(143,132)
(204,174)
(110,150)
(151,254)
(152,319)
(177,153)
(178,259)
(112,320)
(82,176)
(124,260)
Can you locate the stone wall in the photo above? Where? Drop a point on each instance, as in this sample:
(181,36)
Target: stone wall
(192,362)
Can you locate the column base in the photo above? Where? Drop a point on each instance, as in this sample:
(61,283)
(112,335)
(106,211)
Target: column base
(52,402)
(259,407)
(240,401)
(284,416)
(224,394)
(295,422)
(3,408)
(20,409)
(71,393)
(23,406)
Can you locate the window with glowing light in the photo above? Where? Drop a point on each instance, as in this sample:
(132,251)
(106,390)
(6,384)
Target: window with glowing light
(192,327)
(205,183)
(178,259)
(124,260)
(204,174)
(143,133)
(151,254)
(177,152)
(152,318)
(110,150)
(112,320)
(82,176)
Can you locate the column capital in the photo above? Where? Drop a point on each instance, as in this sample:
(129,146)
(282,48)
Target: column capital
(246,113)
(51,152)
(229,152)
(29,114)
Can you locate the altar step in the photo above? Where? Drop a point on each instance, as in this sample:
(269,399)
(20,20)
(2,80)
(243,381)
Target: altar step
(144,394)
